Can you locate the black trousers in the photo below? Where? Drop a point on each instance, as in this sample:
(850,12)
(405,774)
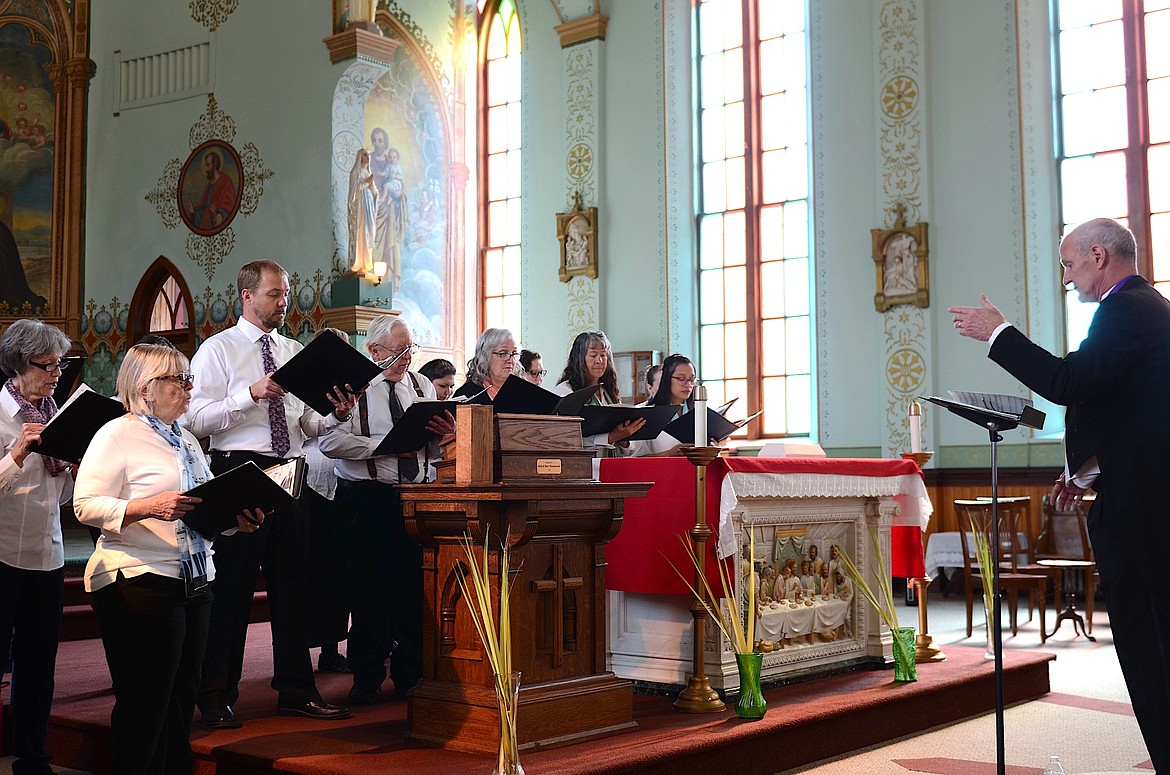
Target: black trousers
(30,626)
(280,547)
(328,592)
(1137,594)
(154,637)
(386,593)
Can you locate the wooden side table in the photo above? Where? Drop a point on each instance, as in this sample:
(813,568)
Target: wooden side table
(1068,570)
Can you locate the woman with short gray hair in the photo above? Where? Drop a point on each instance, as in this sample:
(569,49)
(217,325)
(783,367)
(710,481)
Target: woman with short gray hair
(32,554)
(496,358)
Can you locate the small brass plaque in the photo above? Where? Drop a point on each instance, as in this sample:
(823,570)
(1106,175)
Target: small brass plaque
(548,465)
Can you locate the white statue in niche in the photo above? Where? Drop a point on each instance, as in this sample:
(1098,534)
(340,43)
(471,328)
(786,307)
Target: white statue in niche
(363,208)
(577,244)
(901,266)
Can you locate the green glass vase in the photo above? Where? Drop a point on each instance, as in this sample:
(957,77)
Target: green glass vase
(751,704)
(904,652)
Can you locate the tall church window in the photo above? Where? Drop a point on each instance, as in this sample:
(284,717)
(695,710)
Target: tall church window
(756,338)
(1113,128)
(500,280)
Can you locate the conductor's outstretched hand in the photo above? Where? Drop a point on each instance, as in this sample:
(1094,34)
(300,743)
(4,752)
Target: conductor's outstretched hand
(977,322)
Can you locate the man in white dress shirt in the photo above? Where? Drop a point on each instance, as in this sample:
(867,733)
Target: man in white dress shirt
(384,561)
(248,416)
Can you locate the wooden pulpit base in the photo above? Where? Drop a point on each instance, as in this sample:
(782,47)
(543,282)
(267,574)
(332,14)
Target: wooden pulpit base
(556,532)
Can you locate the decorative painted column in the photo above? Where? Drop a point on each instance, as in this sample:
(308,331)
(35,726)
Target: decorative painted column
(902,154)
(581,41)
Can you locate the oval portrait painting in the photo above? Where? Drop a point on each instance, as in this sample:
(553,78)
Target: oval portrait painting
(209,188)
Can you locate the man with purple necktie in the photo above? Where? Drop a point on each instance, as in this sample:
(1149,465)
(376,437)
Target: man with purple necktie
(248,416)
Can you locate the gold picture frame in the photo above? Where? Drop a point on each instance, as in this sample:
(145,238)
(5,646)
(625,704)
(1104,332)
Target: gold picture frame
(577,233)
(900,258)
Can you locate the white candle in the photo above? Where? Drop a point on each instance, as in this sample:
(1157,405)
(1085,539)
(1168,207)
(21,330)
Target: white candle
(700,415)
(915,426)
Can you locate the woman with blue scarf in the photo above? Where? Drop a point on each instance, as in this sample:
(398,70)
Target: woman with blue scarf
(149,573)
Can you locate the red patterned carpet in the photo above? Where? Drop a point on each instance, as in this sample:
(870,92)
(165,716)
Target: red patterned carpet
(806,722)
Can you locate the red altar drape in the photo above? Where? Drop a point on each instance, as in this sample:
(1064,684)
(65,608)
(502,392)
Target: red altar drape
(639,556)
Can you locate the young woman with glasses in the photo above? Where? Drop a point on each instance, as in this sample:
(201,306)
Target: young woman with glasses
(532,366)
(675,387)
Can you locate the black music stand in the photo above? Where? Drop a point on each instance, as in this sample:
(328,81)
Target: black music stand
(994,421)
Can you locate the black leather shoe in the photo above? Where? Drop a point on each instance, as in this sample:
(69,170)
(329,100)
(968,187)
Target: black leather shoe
(318,709)
(362,694)
(221,718)
(332,663)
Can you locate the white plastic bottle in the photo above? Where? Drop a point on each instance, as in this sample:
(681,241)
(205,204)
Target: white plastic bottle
(1054,767)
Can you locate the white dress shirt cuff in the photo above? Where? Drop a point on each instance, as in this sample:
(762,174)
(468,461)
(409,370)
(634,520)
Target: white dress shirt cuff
(996,332)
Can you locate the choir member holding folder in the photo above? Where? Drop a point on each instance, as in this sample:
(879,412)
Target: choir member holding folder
(250,416)
(675,386)
(32,555)
(494,361)
(149,573)
(384,562)
(590,362)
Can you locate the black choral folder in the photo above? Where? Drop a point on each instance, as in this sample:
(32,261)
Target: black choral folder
(410,432)
(718,427)
(603,419)
(69,433)
(244,487)
(519,396)
(325,362)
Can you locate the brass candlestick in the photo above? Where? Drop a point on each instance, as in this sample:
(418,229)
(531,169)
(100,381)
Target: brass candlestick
(925,650)
(698,696)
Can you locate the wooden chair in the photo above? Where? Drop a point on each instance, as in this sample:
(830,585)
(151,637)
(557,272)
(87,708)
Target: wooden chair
(975,516)
(1065,536)
(1016,510)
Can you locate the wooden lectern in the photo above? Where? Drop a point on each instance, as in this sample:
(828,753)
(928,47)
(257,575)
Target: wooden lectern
(525,477)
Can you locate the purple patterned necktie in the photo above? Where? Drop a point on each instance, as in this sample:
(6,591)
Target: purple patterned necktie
(277,421)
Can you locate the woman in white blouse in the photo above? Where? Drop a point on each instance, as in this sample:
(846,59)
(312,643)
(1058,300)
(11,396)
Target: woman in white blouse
(32,555)
(590,362)
(149,573)
(675,385)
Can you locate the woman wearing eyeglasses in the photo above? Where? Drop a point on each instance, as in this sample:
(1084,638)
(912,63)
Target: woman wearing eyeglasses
(32,555)
(149,573)
(532,367)
(495,359)
(591,363)
(675,386)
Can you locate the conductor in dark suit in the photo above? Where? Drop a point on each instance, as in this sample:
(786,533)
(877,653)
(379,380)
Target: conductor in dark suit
(1117,431)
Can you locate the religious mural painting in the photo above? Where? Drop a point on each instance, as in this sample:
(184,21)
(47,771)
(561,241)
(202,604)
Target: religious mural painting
(27,143)
(406,134)
(210,188)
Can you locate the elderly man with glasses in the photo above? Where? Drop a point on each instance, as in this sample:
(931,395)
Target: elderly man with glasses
(385,564)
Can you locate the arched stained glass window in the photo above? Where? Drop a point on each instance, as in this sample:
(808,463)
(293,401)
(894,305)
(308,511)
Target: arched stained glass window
(500,280)
(756,338)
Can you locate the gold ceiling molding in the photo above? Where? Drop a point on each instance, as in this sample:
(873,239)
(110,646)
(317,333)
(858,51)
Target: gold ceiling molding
(212,13)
